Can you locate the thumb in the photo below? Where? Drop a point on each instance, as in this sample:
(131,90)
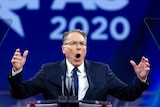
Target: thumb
(25,53)
(133,63)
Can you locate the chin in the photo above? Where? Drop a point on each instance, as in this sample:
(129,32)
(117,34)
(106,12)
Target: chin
(77,64)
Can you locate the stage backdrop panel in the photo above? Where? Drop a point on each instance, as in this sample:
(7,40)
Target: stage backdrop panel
(115,29)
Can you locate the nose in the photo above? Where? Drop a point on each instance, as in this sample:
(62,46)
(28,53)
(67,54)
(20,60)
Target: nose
(78,45)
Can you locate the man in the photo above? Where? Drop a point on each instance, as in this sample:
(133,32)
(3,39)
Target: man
(95,79)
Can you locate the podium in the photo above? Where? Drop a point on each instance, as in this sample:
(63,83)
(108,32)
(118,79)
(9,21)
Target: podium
(67,103)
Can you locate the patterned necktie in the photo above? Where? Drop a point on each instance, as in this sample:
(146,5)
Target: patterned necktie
(74,88)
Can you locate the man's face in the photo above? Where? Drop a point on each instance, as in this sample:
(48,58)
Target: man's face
(75,44)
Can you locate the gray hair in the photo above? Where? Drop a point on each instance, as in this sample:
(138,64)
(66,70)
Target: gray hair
(65,35)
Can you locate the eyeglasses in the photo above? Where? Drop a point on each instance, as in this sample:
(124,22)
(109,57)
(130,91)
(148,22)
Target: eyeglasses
(73,43)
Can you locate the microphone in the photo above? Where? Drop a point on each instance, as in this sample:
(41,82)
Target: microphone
(78,55)
(64,101)
(62,98)
(73,89)
(62,78)
(73,100)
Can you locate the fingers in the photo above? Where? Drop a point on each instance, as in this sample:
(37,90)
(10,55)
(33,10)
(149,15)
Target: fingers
(144,59)
(17,58)
(18,54)
(147,69)
(132,63)
(25,53)
(141,69)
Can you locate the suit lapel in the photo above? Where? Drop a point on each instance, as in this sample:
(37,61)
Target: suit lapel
(90,76)
(63,69)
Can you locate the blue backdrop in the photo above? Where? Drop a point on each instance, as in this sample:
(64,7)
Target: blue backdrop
(115,28)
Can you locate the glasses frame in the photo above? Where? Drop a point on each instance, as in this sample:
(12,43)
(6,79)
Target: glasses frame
(74,43)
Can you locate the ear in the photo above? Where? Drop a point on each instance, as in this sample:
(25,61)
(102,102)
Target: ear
(63,49)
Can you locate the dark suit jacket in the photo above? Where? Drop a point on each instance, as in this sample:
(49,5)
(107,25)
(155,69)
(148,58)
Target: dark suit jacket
(102,82)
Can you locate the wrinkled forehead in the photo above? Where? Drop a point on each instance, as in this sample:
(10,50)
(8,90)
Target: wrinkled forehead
(75,36)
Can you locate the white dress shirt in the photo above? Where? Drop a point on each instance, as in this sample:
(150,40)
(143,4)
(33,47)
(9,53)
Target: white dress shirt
(82,79)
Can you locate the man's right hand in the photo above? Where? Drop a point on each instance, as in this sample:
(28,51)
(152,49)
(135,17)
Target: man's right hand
(18,60)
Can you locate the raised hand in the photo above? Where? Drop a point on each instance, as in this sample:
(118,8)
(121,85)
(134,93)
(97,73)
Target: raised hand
(142,69)
(19,60)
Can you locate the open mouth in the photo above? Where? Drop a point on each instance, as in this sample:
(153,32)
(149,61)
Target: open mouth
(78,55)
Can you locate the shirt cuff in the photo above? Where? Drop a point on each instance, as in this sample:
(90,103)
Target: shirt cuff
(16,72)
(144,81)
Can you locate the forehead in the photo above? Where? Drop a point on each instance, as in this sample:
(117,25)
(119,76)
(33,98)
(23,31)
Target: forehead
(75,36)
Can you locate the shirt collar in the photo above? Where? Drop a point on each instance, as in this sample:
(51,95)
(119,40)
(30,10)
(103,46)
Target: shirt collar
(70,67)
